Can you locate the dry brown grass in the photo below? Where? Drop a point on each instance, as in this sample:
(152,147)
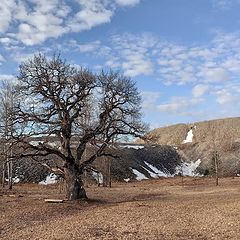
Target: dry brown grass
(154,209)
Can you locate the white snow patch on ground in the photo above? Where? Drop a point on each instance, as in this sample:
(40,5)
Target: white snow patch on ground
(36,143)
(98,177)
(54,144)
(139,176)
(126,179)
(50,179)
(156,172)
(16,180)
(133,146)
(153,175)
(189,137)
(188,169)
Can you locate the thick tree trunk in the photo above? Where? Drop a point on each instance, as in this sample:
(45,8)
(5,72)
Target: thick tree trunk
(74,184)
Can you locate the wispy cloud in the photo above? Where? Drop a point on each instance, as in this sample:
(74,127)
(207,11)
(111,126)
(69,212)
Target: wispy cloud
(204,68)
(150,99)
(7,77)
(134,53)
(224,4)
(199,90)
(180,105)
(2,59)
(89,47)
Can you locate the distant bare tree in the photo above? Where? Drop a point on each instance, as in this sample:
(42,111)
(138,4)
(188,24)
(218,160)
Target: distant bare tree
(6,129)
(54,98)
(214,131)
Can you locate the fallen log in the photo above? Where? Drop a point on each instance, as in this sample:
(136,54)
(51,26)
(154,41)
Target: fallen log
(54,200)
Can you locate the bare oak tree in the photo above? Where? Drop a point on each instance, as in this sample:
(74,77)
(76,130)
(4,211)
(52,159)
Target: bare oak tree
(55,98)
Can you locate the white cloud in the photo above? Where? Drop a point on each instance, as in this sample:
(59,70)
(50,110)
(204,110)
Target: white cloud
(45,20)
(33,22)
(133,53)
(20,56)
(225,4)
(207,68)
(232,64)
(200,90)
(8,42)
(225,97)
(127,2)
(2,59)
(89,47)
(214,75)
(150,100)
(215,62)
(7,77)
(91,14)
(6,11)
(135,65)
(113,62)
(179,105)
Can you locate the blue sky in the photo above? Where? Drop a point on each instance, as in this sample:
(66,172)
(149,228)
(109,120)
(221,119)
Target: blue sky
(183,54)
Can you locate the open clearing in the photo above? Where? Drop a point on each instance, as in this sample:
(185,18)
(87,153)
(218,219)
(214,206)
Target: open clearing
(153,209)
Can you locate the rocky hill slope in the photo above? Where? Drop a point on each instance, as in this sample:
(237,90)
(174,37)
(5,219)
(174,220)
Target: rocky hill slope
(201,139)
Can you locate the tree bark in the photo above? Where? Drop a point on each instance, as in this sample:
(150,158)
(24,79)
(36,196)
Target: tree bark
(74,184)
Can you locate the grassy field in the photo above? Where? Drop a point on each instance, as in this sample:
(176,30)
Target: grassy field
(153,209)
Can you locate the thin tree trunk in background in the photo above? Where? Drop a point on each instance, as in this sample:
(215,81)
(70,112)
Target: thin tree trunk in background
(181,173)
(85,179)
(216,167)
(9,166)
(3,174)
(8,130)
(10,150)
(85,182)
(109,173)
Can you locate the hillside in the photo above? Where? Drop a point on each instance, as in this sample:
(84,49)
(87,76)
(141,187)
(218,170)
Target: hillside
(185,149)
(132,163)
(198,141)
(227,129)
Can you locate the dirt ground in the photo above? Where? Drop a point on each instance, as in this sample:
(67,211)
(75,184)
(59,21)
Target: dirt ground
(153,209)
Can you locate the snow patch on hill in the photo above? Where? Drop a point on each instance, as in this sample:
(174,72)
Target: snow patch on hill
(98,177)
(185,169)
(188,169)
(189,137)
(156,172)
(50,179)
(139,176)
